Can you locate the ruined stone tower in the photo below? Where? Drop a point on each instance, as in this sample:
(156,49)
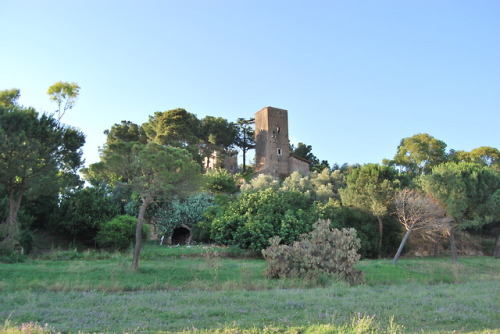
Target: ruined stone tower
(271,142)
(272,146)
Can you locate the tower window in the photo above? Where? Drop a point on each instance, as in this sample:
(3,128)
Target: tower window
(279,151)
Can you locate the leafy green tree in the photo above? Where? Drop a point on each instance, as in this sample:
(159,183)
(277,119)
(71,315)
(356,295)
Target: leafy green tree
(305,151)
(216,135)
(484,155)
(82,212)
(471,193)
(119,233)
(126,131)
(36,153)
(371,188)
(219,181)
(419,153)
(254,217)
(176,128)
(327,184)
(153,171)
(245,138)
(65,95)
(9,97)
(262,181)
(298,183)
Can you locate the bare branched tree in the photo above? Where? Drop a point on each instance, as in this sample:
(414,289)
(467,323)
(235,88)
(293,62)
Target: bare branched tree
(421,213)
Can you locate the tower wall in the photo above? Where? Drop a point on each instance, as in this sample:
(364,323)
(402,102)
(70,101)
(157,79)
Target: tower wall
(271,142)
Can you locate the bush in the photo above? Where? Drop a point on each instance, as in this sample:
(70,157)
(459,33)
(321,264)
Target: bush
(322,251)
(366,226)
(119,233)
(249,221)
(8,256)
(219,181)
(81,213)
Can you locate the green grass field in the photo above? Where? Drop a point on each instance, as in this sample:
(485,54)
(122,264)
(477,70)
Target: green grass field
(209,290)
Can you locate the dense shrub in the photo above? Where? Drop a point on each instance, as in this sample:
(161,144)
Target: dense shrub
(255,217)
(82,212)
(321,251)
(366,226)
(119,233)
(201,231)
(219,181)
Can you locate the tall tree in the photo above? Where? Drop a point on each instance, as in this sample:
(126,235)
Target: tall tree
(9,97)
(177,128)
(216,135)
(471,193)
(153,171)
(484,155)
(125,131)
(65,95)
(371,188)
(36,151)
(245,139)
(305,151)
(421,213)
(419,153)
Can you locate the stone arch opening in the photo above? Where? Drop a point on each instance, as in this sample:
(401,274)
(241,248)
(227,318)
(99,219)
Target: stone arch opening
(181,235)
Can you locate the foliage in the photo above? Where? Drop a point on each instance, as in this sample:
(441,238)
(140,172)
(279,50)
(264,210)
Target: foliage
(471,192)
(319,186)
(298,183)
(260,182)
(216,136)
(421,213)
(176,128)
(182,212)
(219,181)
(202,230)
(153,171)
(371,188)
(65,95)
(419,153)
(321,251)
(9,97)
(126,131)
(484,155)
(254,217)
(82,212)
(245,138)
(363,222)
(119,233)
(39,155)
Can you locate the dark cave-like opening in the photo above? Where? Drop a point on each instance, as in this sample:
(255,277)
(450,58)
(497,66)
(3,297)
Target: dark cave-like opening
(181,236)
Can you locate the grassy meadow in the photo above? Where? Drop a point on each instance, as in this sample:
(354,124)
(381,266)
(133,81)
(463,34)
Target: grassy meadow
(220,290)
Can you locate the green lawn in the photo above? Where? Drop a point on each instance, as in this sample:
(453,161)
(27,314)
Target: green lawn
(178,289)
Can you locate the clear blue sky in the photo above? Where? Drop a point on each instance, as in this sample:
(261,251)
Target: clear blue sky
(355,76)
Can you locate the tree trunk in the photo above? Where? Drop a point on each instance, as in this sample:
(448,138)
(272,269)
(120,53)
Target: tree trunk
(11,227)
(453,245)
(496,247)
(244,160)
(138,231)
(437,244)
(401,246)
(381,233)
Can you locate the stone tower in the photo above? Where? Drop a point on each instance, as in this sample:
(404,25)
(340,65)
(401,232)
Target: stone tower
(272,150)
